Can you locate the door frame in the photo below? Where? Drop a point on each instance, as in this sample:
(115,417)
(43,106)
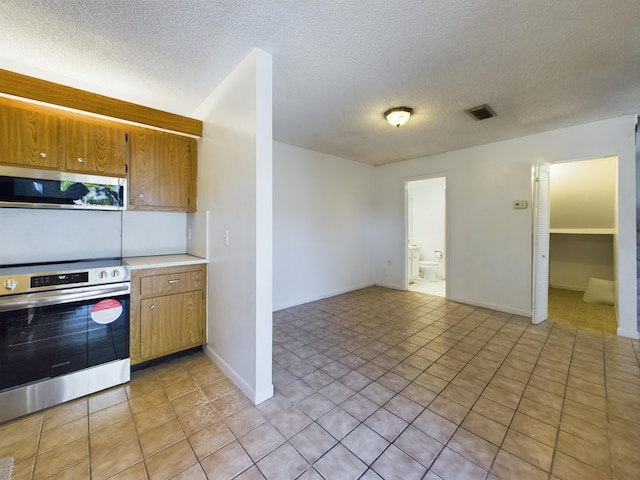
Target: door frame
(405,266)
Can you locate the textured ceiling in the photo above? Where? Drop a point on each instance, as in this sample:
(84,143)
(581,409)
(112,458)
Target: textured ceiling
(338,64)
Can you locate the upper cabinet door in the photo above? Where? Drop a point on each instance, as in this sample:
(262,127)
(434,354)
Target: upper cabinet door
(95,147)
(163,171)
(28,136)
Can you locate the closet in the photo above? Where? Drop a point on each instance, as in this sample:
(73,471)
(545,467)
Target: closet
(583,212)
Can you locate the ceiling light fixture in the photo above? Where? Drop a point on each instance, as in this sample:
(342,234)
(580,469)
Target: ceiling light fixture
(398,116)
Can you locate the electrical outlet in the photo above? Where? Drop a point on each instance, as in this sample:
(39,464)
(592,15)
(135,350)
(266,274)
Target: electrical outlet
(226,237)
(389,262)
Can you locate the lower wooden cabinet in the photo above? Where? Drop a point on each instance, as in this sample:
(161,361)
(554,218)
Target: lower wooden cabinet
(167,311)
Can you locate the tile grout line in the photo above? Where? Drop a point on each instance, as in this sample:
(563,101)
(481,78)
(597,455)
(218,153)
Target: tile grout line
(360,422)
(621,359)
(488,472)
(35,455)
(606,397)
(450,381)
(562,413)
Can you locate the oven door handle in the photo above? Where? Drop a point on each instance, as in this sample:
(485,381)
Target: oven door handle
(41,299)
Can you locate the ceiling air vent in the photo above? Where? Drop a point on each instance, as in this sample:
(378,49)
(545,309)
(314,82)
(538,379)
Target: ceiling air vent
(481,112)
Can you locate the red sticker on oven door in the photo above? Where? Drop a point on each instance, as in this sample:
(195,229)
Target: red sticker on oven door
(106,311)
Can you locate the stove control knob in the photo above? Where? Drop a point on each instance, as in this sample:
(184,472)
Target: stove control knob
(10,283)
(115,273)
(103,274)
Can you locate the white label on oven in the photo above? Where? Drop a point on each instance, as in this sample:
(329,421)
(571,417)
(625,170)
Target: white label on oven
(106,311)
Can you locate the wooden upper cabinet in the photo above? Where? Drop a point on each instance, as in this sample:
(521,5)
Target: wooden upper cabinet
(162,172)
(95,147)
(160,166)
(29,136)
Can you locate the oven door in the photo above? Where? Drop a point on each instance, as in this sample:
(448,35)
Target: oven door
(49,334)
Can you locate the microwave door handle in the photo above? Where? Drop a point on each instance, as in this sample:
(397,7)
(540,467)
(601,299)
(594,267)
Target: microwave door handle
(41,299)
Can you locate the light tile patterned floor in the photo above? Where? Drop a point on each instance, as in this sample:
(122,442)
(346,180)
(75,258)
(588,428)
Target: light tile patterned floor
(371,384)
(437,288)
(566,306)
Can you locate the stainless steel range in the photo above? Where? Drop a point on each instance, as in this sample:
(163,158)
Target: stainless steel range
(64,332)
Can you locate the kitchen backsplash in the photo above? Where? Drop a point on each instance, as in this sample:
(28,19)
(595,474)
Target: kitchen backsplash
(153,233)
(43,235)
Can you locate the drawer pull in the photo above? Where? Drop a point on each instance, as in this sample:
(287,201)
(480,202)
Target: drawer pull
(43,155)
(174,281)
(152,307)
(80,160)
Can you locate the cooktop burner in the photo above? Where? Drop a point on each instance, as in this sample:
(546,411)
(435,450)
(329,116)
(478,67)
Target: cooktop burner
(36,277)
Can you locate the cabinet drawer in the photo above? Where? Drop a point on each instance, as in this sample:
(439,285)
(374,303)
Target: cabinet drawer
(171,283)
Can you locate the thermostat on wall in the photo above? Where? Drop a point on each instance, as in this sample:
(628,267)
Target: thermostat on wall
(520,204)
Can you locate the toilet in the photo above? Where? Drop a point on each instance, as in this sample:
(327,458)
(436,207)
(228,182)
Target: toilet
(428,269)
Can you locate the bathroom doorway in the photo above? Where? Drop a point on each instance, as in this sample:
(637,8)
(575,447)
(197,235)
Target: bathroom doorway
(426,236)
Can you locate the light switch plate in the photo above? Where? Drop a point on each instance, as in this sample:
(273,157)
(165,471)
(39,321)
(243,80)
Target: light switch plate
(520,204)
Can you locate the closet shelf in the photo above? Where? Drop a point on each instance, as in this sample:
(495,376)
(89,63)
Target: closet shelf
(584,231)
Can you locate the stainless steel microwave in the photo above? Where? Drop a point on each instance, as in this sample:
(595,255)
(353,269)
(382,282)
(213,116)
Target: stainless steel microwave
(30,188)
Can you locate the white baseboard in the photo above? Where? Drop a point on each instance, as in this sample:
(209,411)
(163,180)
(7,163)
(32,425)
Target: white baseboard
(255,396)
(491,306)
(393,286)
(575,288)
(321,296)
(628,333)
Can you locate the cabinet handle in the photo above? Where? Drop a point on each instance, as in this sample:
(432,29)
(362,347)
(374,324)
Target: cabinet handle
(80,160)
(174,281)
(152,307)
(43,155)
(141,195)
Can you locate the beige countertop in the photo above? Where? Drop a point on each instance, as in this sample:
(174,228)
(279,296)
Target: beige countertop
(155,261)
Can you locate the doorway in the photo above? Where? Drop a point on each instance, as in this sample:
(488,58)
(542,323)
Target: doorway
(426,236)
(579,250)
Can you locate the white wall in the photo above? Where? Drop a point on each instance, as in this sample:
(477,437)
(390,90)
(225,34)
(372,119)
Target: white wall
(582,194)
(574,259)
(489,243)
(322,210)
(234,185)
